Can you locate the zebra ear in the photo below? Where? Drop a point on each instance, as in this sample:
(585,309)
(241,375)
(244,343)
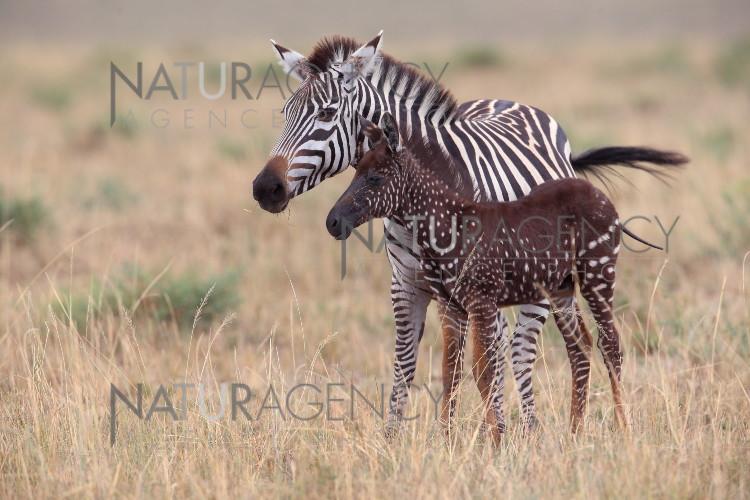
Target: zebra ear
(294,63)
(363,60)
(390,130)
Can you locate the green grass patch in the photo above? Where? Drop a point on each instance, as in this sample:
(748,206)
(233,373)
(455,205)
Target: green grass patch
(53,97)
(212,70)
(231,149)
(719,142)
(23,217)
(126,127)
(480,56)
(147,296)
(732,222)
(111,193)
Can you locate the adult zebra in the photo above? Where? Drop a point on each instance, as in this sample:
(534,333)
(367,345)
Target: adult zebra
(502,148)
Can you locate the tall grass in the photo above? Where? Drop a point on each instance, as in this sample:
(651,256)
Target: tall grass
(689,435)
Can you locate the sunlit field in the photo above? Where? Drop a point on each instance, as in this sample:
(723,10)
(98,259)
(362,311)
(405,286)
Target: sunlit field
(134,254)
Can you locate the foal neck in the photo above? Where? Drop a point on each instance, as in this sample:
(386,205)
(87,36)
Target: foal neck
(426,194)
(437,209)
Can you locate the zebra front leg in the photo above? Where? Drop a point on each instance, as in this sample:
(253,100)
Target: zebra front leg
(523,353)
(454,323)
(409,311)
(489,364)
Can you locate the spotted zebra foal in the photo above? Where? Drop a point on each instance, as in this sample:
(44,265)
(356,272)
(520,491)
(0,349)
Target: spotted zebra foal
(478,257)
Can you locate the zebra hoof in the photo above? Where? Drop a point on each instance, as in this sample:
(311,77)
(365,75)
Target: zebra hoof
(391,430)
(530,426)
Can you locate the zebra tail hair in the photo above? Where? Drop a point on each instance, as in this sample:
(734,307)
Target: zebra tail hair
(638,238)
(600,162)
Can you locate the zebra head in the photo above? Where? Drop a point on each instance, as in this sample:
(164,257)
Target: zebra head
(321,119)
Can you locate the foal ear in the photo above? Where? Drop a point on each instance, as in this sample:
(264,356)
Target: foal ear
(369,130)
(294,63)
(362,61)
(359,148)
(390,130)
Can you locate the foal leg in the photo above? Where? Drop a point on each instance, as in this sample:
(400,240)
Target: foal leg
(454,323)
(599,293)
(578,344)
(523,354)
(489,365)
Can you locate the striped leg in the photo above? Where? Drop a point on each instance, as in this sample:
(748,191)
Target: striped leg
(600,295)
(410,303)
(409,309)
(454,324)
(531,319)
(578,344)
(489,365)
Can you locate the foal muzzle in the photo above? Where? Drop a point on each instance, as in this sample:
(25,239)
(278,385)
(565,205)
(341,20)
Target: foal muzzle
(341,221)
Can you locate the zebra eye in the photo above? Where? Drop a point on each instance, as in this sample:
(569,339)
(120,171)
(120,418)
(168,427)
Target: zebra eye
(326,114)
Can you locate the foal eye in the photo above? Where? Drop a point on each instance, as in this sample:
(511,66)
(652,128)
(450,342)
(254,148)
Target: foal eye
(326,114)
(375,180)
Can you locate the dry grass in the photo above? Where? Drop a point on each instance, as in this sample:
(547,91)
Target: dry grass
(168,202)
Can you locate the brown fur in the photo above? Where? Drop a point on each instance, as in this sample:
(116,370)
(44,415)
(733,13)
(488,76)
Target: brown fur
(564,232)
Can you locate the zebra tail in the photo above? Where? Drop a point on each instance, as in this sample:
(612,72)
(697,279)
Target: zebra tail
(600,162)
(638,238)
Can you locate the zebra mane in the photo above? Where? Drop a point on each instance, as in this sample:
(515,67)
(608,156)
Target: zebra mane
(420,90)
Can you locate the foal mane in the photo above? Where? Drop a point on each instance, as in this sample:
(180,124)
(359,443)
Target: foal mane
(438,162)
(420,90)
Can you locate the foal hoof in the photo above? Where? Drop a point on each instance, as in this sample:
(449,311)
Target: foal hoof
(494,432)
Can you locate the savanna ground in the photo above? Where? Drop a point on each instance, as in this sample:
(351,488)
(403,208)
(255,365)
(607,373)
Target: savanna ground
(119,234)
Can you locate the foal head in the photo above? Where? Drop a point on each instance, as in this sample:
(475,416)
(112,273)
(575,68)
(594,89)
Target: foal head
(377,189)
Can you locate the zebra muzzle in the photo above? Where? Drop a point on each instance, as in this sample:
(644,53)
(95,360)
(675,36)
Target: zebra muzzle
(269,187)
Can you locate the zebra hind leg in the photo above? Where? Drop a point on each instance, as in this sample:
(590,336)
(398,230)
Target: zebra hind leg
(523,355)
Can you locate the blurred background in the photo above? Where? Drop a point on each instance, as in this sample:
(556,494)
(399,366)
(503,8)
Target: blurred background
(117,233)
(170,181)
(420,21)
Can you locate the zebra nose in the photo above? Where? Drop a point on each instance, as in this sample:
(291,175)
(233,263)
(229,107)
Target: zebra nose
(270,191)
(268,188)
